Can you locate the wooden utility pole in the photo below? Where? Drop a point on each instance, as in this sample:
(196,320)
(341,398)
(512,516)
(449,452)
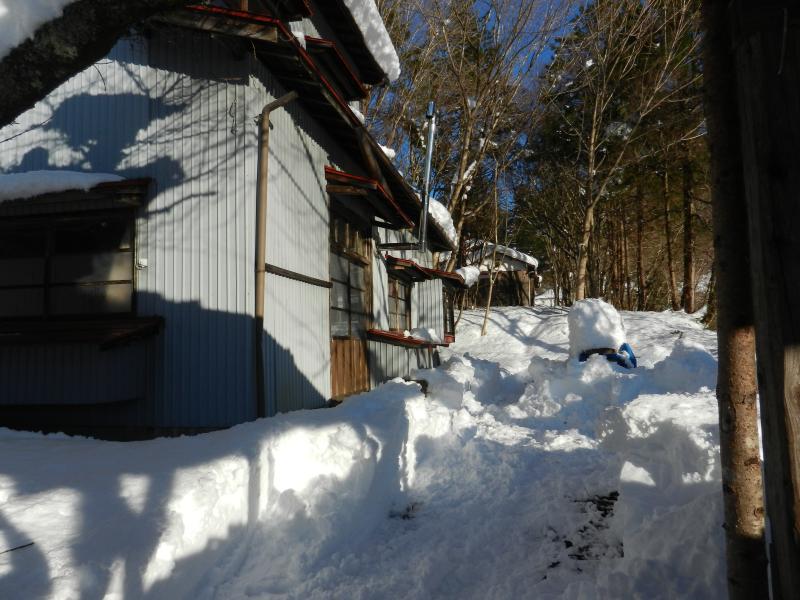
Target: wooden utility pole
(766,43)
(742,486)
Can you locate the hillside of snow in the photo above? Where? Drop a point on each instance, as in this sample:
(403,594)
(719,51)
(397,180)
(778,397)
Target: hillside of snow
(521,474)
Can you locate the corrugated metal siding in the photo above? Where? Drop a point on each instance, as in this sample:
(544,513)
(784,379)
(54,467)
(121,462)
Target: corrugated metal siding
(388,361)
(297,324)
(182,121)
(430,305)
(68,374)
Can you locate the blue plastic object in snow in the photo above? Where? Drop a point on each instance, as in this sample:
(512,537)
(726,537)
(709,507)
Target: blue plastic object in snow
(624,357)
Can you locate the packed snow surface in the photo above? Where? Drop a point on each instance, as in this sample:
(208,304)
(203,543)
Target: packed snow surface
(33,183)
(522,474)
(594,323)
(19,19)
(377,39)
(441,215)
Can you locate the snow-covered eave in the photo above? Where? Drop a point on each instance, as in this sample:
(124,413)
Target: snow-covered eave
(46,185)
(398,338)
(359,26)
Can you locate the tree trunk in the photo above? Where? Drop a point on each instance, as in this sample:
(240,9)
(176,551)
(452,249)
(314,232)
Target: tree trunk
(736,377)
(687,297)
(767,57)
(640,284)
(626,262)
(673,288)
(583,252)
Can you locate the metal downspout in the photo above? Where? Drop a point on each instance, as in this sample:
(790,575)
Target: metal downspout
(262,187)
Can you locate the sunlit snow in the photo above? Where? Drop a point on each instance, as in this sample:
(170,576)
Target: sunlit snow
(522,474)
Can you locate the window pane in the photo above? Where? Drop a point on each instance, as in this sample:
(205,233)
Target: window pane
(22,271)
(87,299)
(339,323)
(357,277)
(356,300)
(91,235)
(339,267)
(339,295)
(21,242)
(22,303)
(92,267)
(358,325)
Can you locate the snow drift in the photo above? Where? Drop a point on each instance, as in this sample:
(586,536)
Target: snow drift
(522,474)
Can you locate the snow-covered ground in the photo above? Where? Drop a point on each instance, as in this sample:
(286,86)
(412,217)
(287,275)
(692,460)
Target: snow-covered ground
(522,474)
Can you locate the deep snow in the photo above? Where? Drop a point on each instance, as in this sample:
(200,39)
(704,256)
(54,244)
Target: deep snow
(522,474)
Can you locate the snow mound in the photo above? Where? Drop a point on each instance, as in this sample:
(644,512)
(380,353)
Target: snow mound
(441,215)
(19,19)
(14,186)
(377,39)
(470,274)
(594,323)
(520,474)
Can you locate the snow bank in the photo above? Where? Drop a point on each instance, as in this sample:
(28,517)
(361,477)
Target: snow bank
(521,474)
(377,39)
(441,215)
(33,183)
(470,274)
(19,19)
(594,324)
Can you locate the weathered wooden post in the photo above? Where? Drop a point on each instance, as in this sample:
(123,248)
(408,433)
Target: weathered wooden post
(766,42)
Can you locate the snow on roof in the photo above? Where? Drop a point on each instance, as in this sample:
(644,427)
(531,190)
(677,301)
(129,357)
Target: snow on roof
(470,274)
(16,186)
(502,252)
(441,215)
(19,20)
(377,39)
(389,152)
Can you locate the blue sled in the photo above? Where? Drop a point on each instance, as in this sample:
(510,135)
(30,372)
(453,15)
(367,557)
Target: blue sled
(624,357)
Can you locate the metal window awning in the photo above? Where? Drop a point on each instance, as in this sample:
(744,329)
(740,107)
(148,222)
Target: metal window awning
(346,185)
(407,269)
(327,54)
(107,332)
(416,272)
(398,339)
(128,192)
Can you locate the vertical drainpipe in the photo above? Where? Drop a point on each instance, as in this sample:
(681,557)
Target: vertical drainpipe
(423,221)
(261,247)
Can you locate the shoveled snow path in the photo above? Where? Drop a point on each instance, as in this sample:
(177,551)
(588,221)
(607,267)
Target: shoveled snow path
(521,475)
(499,497)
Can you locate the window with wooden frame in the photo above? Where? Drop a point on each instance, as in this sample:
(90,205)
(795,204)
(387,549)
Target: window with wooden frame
(67,265)
(449,313)
(350,276)
(399,305)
